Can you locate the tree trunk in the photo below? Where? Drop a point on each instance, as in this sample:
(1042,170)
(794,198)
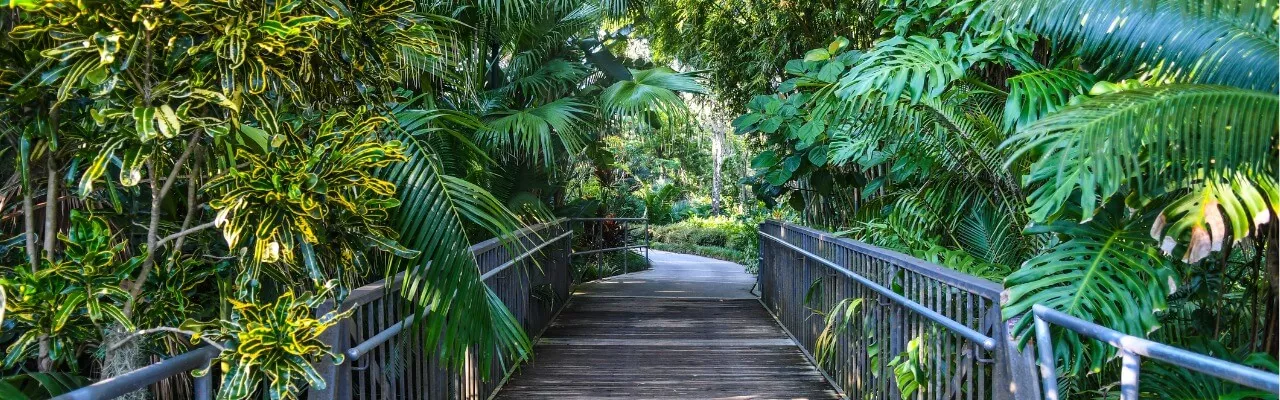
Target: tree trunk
(717,159)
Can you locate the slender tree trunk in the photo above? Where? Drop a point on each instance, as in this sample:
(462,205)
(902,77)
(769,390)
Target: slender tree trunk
(50,205)
(45,363)
(717,159)
(29,215)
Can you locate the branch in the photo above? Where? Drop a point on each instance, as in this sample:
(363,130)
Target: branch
(177,166)
(131,336)
(191,206)
(184,233)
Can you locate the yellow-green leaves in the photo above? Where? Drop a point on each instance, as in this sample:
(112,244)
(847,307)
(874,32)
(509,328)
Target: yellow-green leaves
(144,123)
(66,299)
(314,185)
(168,122)
(275,343)
(153,122)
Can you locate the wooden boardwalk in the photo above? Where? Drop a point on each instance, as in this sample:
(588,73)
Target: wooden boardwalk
(687,329)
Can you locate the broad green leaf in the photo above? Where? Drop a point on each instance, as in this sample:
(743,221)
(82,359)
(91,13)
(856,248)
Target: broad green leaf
(817,55)
(765,160)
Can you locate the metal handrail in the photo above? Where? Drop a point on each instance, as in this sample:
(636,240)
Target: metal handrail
(636,246)
(1131,347)
(358,350)
(145,376)
(200,358)
(608,219)
(522,256)
(985,341)
(625,241)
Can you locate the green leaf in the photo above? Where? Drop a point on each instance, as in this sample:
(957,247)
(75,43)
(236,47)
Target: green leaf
(745,123)
(1103,271)
(144,123)
(765,160)
(778,177)
(818,156)
(817,55)
(809,133)
(831,71)
(792,163)
(771,124)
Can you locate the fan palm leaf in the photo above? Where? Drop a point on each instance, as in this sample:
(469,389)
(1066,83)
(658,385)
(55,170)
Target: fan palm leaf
(542,132)
(656,89)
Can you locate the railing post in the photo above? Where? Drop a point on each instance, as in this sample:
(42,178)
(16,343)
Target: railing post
(1015,369)
(626,241)
(336,377)
(204,384)
(647,242)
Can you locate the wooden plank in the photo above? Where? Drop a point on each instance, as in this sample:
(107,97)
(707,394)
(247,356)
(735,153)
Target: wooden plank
(666,348)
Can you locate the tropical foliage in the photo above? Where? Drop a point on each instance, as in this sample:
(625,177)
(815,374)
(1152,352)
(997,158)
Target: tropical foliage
(241,162)
(1120,155)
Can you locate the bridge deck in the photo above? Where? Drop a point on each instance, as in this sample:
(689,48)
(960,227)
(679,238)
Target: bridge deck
(686,329)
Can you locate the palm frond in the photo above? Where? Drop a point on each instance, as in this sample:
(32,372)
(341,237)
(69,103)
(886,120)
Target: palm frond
(456,309)
(656,89)
(1230,42)
(541,132)
(548,81)
(1150,136)
(1032,95)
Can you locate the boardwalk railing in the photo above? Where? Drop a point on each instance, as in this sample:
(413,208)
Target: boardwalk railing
(604,235)
(529,272)
(1131,350)
(960,348)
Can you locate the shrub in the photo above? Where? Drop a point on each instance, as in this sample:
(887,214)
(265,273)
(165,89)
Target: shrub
(726,238)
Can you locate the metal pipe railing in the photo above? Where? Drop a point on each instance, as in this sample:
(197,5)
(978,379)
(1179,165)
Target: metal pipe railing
(201,358)
(985,341)
(141,378)
(1131,347)
(626,240)
(364,347)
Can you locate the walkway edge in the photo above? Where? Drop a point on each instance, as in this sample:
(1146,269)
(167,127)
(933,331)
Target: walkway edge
(803,350)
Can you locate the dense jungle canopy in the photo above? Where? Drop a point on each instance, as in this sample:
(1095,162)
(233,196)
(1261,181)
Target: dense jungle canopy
(181,172)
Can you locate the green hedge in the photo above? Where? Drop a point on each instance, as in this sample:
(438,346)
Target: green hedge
(721,238)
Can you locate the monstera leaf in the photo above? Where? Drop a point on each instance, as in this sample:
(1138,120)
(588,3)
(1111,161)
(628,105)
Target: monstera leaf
(1101,271)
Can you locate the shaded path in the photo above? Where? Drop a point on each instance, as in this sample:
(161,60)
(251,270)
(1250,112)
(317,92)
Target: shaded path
(688,328)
